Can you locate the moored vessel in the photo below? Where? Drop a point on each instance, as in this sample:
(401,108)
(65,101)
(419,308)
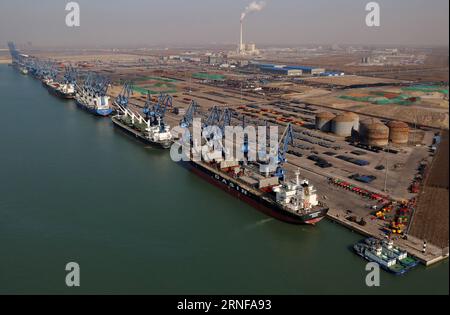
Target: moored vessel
(91,96)
(154,133)
(396,261)
(294,201)
(261,183)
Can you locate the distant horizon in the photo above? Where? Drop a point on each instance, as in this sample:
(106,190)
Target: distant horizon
(137,23)
(4,47)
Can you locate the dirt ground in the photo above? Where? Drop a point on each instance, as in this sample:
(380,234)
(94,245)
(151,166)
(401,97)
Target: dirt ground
(431,220)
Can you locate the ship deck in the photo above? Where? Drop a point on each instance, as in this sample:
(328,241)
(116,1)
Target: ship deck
(135,132)
(261,194)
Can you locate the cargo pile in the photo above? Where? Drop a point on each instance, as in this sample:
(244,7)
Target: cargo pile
(397,216)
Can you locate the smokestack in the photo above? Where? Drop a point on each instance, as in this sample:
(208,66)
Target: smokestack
(241,42)
(255,6)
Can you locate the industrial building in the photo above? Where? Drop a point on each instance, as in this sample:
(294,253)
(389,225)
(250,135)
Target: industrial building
(281,71)
(307,70)
(215,60)
(246,49)
(290,70)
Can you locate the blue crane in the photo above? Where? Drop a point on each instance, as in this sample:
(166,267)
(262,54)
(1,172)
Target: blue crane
(15,55)
(165,101)
(156,112)
(102,85)
(245,146)
(70,75)
(283,147)
(48,70)
(148,106)
(220,119)
(186,122)
(225,120)
(97,85)
(213,117)
(124,96)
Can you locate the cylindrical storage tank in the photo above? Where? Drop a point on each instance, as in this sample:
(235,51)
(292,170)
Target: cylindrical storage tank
(323,121)
(374,133)
(355,121)
(398,132)
(342,125)
(364,126)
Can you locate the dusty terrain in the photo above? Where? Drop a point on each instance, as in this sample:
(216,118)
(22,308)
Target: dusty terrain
(433,205)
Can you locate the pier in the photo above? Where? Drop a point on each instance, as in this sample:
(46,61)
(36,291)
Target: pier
(412,245)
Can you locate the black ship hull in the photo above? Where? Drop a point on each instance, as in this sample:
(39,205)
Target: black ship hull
(269,208)
(138,135)
(60,94)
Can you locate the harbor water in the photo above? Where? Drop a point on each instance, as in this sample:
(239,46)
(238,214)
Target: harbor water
(74,189)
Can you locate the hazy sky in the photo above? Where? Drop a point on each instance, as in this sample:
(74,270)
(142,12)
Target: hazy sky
(152,22)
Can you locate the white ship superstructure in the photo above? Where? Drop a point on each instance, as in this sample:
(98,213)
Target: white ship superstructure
(157,133)
(296,195)
(95,103)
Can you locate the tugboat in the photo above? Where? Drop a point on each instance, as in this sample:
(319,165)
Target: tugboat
(373,250)
(401,255)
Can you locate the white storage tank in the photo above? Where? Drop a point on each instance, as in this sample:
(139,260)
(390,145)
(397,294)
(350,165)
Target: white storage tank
(343,125)
(323,121)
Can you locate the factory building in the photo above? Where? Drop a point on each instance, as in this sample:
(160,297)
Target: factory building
(281,71)
(243,48)
(215,60)
(307,70)
(290,70)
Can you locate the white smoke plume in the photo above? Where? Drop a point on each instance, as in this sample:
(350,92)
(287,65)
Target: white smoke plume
(255,6)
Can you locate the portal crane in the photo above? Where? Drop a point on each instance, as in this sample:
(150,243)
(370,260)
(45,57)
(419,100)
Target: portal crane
(188,118)
(124,96)
(283,147)
(155,113)
(213,117)
(70,75)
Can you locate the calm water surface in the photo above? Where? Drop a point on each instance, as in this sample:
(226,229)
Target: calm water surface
(73,188)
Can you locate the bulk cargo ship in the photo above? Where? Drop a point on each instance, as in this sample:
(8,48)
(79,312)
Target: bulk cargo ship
(95,104)
(62,90)
(293,201)
(66,89)
(91,96)
(156,133)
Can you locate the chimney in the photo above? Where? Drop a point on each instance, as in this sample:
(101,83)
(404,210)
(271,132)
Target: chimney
(241,44)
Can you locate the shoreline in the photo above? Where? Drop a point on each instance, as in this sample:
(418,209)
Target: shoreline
(413,247)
